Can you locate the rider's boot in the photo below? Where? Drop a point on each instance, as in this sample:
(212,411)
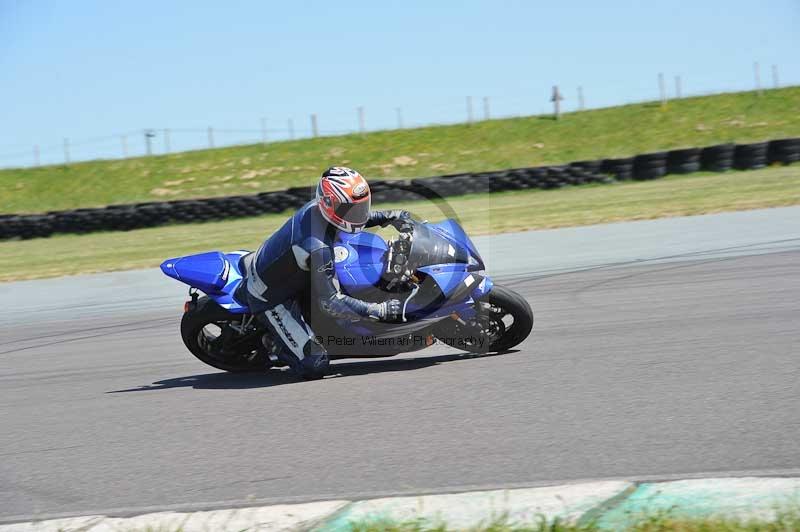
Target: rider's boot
(314,364)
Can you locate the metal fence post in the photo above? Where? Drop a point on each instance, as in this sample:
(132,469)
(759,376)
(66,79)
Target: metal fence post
(148,134)
(757,76)
(556,99)
(662,89)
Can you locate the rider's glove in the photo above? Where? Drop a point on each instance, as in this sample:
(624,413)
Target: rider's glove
(398,218)
(390,311)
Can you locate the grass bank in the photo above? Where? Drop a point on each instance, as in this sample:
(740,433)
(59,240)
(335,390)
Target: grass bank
(479,213)
(488,145)
(788,521)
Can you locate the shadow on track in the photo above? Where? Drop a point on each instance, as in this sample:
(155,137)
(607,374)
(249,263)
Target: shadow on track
(276,377)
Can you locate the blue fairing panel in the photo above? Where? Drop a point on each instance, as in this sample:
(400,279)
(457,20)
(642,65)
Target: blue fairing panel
(359,260)
(452,277)
(206,271)
(214,273)
(483,288)
(225,299)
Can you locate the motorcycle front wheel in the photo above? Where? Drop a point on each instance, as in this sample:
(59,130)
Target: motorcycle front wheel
(504,319)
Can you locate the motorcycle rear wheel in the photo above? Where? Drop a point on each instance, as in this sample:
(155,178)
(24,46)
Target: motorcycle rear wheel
(207,334)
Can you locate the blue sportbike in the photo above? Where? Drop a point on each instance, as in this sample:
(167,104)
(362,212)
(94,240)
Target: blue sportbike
(434,268)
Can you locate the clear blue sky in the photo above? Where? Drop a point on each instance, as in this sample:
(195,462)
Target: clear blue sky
(91,69)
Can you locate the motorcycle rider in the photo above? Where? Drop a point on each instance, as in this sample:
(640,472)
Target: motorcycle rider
(297,261)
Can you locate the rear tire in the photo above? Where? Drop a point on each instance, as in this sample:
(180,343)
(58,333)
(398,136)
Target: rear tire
(198,328)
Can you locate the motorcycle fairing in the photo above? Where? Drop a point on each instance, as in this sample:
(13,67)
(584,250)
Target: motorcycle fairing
(451,230)
(215,273)
(359,260)
(453,279)
(206,271)
(422,313)
(225,298)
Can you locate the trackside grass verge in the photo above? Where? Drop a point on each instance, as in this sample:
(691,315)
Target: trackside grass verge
(479,213)
(784,522)
(488,145)
(661,522)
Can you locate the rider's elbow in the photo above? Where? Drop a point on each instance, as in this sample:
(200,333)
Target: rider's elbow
(339,306)
(332,306)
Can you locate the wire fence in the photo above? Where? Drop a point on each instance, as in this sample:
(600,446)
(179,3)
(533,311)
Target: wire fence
(166,140)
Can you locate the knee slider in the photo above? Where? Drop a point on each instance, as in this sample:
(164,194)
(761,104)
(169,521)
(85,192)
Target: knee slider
(315,357)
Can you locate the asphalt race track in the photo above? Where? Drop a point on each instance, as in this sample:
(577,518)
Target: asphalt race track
(681,363)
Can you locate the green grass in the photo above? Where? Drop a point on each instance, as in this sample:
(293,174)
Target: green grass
(489,145)
(479,213)
(786,521)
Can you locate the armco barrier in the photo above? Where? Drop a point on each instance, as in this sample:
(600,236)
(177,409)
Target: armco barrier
(645,166)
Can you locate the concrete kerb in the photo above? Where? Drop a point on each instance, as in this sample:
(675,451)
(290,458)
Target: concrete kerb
(611,505)
(734,498)
(466,510)
(284,517)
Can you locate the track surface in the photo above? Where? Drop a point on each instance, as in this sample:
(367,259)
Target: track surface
(655,369)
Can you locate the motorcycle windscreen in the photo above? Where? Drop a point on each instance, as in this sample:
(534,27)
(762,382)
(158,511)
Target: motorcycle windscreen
(433,246)
(454,232)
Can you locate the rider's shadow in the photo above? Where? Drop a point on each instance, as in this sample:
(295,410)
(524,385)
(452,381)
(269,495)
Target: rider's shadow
(275,377)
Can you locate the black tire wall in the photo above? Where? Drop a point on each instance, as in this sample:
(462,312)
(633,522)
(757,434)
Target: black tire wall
(717,158)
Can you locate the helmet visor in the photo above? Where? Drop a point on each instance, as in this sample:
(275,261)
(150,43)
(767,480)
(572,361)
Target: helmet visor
(355,213)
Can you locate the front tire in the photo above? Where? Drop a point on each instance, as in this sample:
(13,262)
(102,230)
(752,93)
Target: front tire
(504,320)
(207,333)
(515,306)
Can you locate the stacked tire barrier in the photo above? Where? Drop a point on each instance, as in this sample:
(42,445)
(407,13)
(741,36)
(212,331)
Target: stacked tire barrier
(718,158)
(140,215)
(684,161)
(646,166)
(750,156)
